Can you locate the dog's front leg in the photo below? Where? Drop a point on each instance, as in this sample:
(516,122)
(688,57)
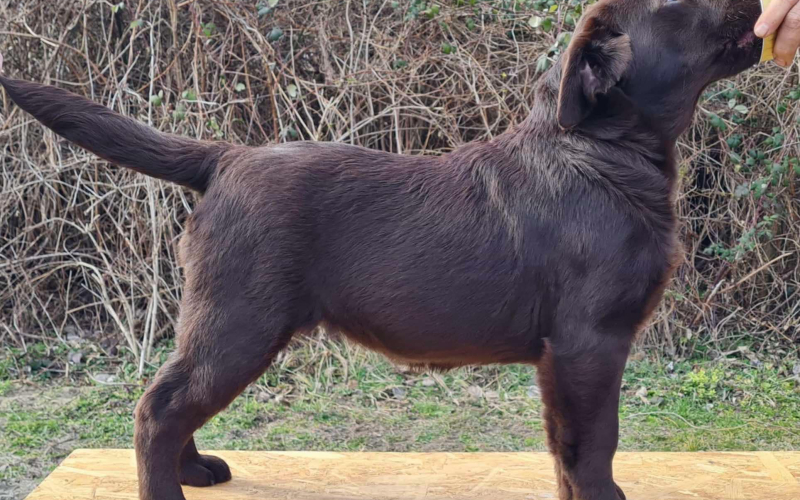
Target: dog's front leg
(580,390)
(564,486)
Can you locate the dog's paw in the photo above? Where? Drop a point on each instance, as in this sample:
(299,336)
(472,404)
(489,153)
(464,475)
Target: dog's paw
(221,471)
(205,470)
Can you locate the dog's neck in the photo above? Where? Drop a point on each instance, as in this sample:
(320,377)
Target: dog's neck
(616,119)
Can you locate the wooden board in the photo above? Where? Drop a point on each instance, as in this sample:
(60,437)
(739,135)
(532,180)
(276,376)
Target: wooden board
(111,474)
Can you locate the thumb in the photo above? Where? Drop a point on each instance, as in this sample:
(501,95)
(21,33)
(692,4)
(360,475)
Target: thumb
(772,17)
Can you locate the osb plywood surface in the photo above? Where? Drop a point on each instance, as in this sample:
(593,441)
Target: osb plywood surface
(111,474)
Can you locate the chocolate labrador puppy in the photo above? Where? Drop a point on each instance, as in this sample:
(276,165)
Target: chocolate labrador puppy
(549,245)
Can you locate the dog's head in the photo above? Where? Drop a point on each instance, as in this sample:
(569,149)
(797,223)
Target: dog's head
(660,53)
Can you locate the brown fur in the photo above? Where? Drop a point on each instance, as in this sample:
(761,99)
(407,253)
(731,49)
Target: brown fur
(549,245)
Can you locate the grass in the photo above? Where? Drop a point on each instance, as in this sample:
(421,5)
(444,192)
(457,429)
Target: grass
(323,395)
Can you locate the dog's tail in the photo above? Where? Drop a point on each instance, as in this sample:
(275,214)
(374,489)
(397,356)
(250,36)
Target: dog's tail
(118,139)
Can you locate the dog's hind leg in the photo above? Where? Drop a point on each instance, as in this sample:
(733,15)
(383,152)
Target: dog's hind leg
(580,389)
(223,345)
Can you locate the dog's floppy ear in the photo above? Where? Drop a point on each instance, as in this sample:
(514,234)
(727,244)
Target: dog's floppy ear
(595,61)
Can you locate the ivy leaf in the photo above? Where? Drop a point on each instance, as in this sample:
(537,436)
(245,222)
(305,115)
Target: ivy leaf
(240,87)
(272,3)
(275,34)
(290,132)
(208,29)
(189,95)
(742,190)
(717,122)
(741,108)
(179,113)
(759,188)
(542,64)
(157,99)
(291,89)
(137,23)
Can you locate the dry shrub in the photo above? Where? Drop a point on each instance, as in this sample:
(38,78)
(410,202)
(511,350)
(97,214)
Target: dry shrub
(88,249)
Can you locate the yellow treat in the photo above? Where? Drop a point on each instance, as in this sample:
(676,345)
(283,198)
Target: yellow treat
(766,50)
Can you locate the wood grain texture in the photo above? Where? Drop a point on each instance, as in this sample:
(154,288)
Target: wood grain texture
(111,474)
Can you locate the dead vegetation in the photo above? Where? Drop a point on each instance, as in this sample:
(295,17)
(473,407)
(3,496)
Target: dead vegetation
(88,250)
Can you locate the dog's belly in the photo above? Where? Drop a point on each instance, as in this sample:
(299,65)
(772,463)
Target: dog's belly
(443,323)
(445,351)
(437,307)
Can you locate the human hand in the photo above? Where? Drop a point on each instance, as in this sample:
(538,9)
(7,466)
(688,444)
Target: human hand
(781,17)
